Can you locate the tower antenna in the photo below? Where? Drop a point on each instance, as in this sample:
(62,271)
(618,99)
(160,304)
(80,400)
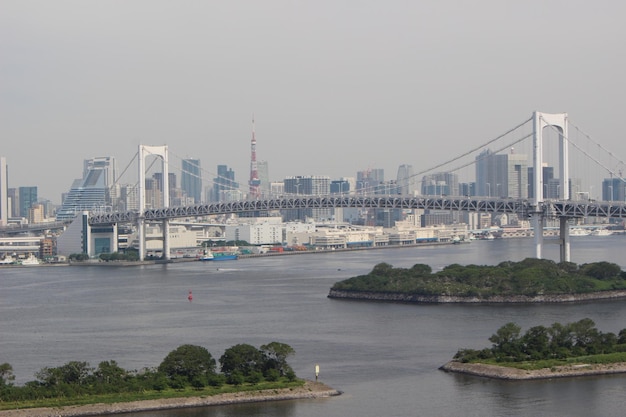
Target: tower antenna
(254,182)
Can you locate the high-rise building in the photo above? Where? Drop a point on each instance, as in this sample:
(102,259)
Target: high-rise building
(368,180)
(307,185)
(224,186)
(28,198)
(441,183)
(191,179)
(614,189)
(502,175)
(4,192)
(517,176)
(549,182)
(264,176)
(405,180)
(94,192)
(14,202)
(491,174)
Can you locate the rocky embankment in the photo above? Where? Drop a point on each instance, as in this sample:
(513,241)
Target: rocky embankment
(309,390)
(414,298)
(503,372)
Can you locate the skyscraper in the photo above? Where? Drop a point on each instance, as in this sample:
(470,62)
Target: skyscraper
(4,192)
(28,198)
(264,177)
(307,185)
(191,179)
(95,191)
(405,180)
(224,185)
(491,174)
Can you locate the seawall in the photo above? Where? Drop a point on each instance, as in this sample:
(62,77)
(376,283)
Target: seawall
(415,298)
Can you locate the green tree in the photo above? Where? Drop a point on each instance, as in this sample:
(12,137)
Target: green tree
(109,372)
(276,356)
(506,341)
(382,268)
(72,373)
(188,361)
(536,342)
(243,359)
(6,374)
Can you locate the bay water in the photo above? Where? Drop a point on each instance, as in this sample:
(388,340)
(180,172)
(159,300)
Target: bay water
(384,357)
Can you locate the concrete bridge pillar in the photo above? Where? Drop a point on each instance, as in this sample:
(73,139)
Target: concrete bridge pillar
(564,239)
(166,239)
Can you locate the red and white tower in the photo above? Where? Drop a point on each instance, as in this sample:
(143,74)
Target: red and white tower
(255,182)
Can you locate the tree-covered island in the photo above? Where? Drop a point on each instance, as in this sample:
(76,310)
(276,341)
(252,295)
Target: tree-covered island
(187,376)
(560,350)
(530,280)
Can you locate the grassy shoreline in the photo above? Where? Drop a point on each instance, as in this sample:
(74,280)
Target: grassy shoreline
(101,405)
(514,373)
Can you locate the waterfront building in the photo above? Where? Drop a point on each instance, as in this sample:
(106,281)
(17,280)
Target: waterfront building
(256,231)
(95,191)
(4,192)
(191,179)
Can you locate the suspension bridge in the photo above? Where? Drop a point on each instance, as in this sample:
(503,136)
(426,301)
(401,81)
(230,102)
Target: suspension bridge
(516,177)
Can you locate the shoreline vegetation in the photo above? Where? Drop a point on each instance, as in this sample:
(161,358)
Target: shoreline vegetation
(528,281)
(188,376)
(309,390)
(557,351)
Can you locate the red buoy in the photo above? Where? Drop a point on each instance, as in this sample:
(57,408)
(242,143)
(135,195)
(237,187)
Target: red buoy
(190,296)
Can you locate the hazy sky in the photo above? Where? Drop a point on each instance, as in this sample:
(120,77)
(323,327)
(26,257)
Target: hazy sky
(336,86)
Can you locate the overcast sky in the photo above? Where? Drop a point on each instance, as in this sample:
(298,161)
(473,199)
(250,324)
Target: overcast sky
(336,86)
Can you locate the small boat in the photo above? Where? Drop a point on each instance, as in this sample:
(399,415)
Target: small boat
(602,232)
(7,260)
(577,231)
(31,260)
(207,256)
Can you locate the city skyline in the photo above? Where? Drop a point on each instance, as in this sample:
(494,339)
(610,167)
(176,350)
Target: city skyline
(378,85)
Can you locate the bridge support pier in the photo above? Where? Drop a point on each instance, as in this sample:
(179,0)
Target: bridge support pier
(141,235)
(166,239)
(564,239)
(538,231)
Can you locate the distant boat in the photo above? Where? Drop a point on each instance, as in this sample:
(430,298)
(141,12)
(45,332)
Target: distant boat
(577,231)
(7,260)
(207,256)
(219,256)
(31,260)
(602,232)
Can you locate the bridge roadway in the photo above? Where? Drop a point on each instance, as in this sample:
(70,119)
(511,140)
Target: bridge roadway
(524,208)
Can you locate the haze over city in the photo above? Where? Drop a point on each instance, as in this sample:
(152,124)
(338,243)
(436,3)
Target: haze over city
(335,87)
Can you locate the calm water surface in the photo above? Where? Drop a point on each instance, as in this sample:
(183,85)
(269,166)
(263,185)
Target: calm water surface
(383,356)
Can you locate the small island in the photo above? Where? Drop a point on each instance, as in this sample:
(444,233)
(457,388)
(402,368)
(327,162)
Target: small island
(574,349)
(528,281)
(187,377)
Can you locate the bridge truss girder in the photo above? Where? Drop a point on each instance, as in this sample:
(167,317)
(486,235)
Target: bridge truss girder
(522,208)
